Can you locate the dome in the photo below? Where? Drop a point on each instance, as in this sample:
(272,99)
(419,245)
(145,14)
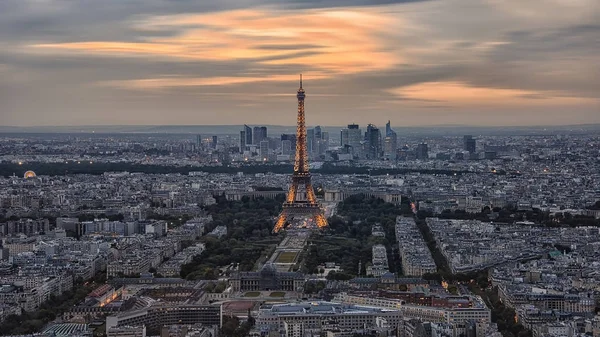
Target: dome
(29,174)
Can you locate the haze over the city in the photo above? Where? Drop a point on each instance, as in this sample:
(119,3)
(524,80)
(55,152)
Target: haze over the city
(158,62)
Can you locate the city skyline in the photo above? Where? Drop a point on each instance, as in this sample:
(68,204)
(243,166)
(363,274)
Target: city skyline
(420,63)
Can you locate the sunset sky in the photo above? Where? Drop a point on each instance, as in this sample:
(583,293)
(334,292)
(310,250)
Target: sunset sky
(177,62)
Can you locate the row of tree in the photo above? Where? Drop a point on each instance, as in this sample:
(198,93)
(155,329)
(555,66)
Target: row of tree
(348,240)
(96,168)
(512,215)
(249,225)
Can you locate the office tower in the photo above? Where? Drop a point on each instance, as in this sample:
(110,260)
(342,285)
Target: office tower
(469,144)
(422,152)
(389,148)
(373,141)
(260,134)
(344,137)
(198,141)
(213,144)
(286,147)
(324,143)
(274,143)
(264,148)
(242,141)
(390,144)
(291,138)
(317,140)
(248,132)
(301,213)
(263,129)
(355,138)
(318,132)
(310,140)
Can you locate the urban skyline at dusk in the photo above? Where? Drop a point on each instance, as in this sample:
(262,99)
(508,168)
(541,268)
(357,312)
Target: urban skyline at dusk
(417,63)
(299,168)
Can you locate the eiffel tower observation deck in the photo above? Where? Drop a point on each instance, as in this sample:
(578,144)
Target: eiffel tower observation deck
(301,212)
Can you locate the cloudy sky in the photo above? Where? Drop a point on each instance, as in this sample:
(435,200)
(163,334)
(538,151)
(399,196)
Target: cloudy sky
(430,62)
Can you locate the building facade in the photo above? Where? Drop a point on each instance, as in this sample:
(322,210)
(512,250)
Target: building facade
(268,278)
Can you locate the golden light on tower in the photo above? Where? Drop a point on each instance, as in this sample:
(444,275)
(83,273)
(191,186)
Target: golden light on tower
(301,213)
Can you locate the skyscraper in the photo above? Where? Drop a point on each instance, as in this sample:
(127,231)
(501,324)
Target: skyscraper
(242,141)
(264,148)
(355,138)
(344,138)
(310,140)
(388,128)
(286,147)
(316,147)
(198,142)
(291,138)
(469,144)
(373,142)
(422,151)
(213,144)
(318,132)
(248,133)
(389,148)
(324,142)
(390,143)
(260,134)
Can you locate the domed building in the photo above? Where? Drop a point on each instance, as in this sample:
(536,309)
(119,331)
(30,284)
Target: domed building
(268,278)
(29,174)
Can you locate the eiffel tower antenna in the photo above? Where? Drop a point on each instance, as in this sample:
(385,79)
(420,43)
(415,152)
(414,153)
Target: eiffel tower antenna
(301,213)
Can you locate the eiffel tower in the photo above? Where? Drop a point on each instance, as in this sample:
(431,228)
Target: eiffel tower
(301,213)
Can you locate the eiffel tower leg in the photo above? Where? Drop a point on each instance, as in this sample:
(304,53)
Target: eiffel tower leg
(280,222)
(310,193)
(291,197)
(321,221)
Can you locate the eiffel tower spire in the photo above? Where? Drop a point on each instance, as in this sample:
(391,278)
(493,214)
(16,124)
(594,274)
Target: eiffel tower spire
(301,213)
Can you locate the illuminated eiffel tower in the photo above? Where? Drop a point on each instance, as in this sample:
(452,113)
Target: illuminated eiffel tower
(301,213)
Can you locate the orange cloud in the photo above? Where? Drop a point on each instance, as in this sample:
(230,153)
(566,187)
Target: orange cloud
(332,42)
(462,94)
(169,82)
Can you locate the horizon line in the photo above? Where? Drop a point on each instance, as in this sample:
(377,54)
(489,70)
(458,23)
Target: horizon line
(293,125)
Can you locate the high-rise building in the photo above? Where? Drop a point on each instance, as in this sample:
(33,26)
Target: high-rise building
(310,140)
(388,128)
(264,149)
(248,132)
(242,141)
(260,134)
(292,138)
(373,142)
(390,144)
(355,138)
(324,142)
(469,143)
(198,141)
(389,148)
(344,137)
(213,144)
(422,151)
(316,147)
(318,132)
(286,147)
